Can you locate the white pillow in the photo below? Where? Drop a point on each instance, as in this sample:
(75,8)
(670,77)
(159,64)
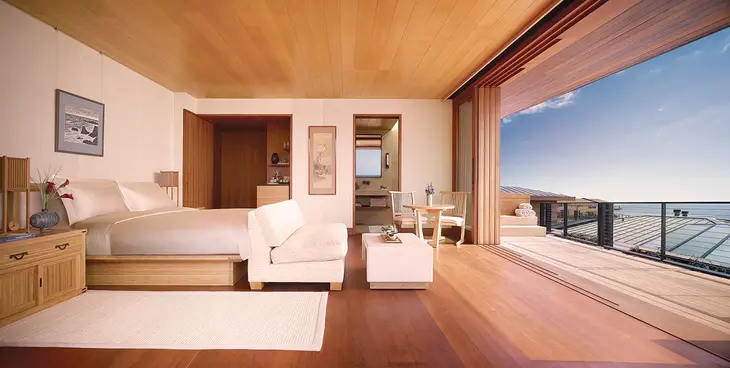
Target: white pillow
(278,221)
(142,196)
(92,198)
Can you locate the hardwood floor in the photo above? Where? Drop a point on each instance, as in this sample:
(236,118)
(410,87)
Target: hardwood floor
(482,310)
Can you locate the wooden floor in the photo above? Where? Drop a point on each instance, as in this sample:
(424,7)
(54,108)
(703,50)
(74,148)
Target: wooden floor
(701,301)
(484,309)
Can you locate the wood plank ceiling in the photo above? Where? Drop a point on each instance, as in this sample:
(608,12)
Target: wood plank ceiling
(297,48)
(619,34)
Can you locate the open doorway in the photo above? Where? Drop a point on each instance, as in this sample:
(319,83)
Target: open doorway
(377,169)
(236,161)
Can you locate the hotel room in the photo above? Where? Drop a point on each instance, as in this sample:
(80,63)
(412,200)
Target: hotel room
(275,183)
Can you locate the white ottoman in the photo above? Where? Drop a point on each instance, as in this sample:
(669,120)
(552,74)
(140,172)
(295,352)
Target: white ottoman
(407,265)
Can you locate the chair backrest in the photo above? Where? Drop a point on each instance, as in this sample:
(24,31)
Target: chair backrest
(398,199)
(458,199)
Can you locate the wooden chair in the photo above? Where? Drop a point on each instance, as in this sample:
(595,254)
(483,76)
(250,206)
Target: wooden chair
(401,215)
(457,215)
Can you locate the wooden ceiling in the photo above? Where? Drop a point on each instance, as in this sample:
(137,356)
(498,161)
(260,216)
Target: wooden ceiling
(617,35)
(380,124)
(297,48)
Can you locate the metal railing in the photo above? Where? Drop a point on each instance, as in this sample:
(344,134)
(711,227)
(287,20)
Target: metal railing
(694,235)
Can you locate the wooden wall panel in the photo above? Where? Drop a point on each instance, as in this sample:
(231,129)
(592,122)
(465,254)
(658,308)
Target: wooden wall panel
(242,166)
(508,202)
(487,165)
(198,161)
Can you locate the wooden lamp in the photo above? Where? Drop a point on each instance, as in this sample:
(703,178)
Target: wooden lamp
(170,181)
(14,178)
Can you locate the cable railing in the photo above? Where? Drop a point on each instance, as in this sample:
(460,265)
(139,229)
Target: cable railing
(694,235)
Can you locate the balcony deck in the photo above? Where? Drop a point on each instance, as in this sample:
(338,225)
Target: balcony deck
(688,304)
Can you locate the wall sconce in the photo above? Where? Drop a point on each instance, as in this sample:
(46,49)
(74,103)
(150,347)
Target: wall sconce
(170,181)
(387,160)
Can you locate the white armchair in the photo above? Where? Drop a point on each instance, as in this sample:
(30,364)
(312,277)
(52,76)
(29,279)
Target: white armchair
(285,249)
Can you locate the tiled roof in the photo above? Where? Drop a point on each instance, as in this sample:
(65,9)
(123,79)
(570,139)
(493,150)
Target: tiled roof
(533,192)
(693,237)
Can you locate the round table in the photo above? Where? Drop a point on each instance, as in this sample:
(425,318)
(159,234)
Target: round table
(435,209)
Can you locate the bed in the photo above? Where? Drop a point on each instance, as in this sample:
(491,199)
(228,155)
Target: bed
(137,236)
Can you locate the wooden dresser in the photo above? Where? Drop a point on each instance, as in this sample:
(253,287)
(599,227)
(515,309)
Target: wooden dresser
(268,194)
(39,272)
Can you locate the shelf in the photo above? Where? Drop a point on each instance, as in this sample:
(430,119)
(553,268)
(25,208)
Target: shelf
(280,165)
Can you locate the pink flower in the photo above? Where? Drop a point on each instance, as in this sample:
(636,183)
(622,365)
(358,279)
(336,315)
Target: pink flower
(50,187)
(67,196)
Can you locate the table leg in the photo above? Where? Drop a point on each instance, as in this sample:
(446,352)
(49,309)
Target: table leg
(419,226)
(437,229)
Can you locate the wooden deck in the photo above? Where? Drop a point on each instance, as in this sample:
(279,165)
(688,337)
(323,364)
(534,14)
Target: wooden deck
(696,306)
(485,308)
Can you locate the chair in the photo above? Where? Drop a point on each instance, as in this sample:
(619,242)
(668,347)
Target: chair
(457,215)
(402,215)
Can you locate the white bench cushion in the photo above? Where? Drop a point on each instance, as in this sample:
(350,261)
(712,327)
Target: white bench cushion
(313,243)
(279,221)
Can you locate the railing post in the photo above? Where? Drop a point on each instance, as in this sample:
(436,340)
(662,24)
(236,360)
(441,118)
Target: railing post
(601,225)
(663,246)
(565,220)
(546,211)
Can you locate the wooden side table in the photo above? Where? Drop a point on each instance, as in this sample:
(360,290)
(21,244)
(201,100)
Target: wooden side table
(39,272)
(436,210)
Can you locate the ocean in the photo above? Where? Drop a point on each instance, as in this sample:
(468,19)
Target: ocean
(719,211)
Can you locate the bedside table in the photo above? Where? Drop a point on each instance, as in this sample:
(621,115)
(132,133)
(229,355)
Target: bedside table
(39,272)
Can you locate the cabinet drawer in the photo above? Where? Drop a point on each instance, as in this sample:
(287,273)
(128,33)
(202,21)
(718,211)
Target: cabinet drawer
(32,250)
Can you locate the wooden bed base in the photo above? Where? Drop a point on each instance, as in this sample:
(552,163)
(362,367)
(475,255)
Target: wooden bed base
(183,270)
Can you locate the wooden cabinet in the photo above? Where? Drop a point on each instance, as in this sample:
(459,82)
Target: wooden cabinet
(39,272)
(268,194)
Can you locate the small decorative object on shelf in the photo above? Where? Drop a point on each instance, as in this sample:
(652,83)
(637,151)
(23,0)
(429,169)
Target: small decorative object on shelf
(49,191)
(429,194)
(274,158)
(286,146)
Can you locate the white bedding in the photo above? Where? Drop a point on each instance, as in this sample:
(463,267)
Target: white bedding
(170,231)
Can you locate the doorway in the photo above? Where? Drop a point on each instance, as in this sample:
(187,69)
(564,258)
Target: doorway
(377,169)
(236,161)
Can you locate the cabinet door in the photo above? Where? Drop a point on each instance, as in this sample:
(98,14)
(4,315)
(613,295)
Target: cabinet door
(18,291)
(59,277)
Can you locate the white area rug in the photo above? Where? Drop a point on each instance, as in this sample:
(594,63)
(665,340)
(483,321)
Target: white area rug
(177,320)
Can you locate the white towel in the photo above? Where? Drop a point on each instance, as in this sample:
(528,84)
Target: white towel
(525,206)
(524,212)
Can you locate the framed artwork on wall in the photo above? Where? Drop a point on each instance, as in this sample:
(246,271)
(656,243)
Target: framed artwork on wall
(322,163)
(79,125)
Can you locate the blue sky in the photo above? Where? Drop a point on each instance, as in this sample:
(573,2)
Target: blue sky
(658,131)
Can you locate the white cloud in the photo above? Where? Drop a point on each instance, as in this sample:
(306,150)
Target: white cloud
(621,72)
(725,48)
(655,70)
(553,103)
(660,109)
(691,56)
(506,120)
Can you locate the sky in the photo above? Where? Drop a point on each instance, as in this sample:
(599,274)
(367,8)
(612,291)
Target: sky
(658,131)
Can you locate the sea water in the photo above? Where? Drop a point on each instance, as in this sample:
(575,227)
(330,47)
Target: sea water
(719,211)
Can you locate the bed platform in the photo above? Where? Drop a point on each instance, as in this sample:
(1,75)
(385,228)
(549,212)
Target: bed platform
(182,270)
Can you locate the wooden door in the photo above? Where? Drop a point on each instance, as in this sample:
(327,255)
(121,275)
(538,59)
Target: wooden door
(59,277)
(198,152)
(463,157)
(18,291)
(242,166)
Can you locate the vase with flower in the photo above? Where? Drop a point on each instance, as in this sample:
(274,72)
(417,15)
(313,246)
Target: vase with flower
(49,191)
(429,194)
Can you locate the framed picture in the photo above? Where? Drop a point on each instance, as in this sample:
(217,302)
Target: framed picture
(322,163)
(79,125)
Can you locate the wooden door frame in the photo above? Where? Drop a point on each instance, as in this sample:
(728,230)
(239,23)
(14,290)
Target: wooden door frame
(291,141)
(468,94)
(354,147)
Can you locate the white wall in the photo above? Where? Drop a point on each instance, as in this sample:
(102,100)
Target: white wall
(35,60)
(426,129)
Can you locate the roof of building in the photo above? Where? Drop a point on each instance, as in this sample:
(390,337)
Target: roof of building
(692,237)
(536,194)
